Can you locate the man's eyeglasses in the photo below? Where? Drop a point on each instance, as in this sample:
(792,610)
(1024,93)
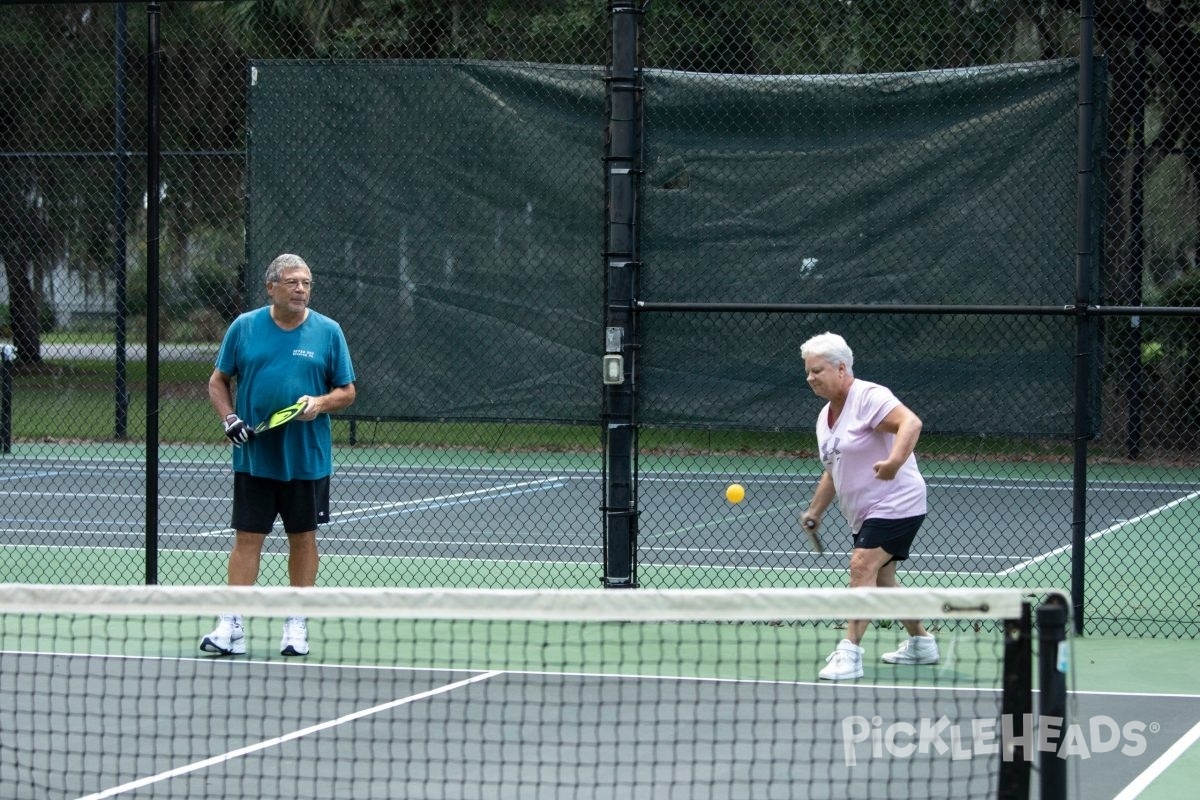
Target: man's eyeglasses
(296,283)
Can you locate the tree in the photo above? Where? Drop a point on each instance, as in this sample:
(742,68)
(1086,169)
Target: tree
(53,99)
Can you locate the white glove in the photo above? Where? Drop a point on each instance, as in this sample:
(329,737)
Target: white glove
(238,431)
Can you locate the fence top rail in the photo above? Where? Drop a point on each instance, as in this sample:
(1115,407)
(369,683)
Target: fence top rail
(900,308)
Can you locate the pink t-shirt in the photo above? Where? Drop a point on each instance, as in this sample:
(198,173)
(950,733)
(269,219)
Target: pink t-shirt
(853,445)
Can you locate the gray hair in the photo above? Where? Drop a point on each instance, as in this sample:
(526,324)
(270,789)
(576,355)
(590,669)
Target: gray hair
(282,262)
(832,348)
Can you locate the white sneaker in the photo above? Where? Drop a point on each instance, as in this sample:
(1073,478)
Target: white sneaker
(915,650)
(843,663)
(295,637)
(229,638)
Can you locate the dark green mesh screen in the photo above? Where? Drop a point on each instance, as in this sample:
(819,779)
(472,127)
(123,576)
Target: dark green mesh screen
(940,187)
(451,213)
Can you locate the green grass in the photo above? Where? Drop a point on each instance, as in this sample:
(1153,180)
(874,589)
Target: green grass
(77,400)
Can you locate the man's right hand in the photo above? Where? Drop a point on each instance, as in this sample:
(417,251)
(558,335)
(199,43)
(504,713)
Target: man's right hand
(238,431)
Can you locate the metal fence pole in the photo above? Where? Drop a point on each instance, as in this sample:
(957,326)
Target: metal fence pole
(120,223)
(1085,323)
(152,280)
(622,165)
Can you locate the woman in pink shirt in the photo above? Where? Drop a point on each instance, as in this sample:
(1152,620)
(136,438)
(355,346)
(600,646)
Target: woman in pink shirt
(866,439)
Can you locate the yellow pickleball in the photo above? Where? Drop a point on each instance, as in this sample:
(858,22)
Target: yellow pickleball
(735,493)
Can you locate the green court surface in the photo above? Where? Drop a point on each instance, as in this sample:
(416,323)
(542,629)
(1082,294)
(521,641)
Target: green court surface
(739,651)
(1130,575)
(1132,579)
(1153,673)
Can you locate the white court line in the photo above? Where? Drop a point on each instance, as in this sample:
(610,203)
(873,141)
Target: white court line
(1154,512)
(73,531)
(324,556)
(420,504)
(430,502)
(801,552)
(113,496)
(549,483)
(26,475)
(1139,784)
(839,569)
(287,737)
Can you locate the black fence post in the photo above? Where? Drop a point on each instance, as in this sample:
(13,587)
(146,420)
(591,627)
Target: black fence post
(120,224)
(153,12)
(1085,323)
(622,167)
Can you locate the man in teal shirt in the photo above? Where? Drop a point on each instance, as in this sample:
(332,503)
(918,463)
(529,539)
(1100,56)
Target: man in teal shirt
(279,354)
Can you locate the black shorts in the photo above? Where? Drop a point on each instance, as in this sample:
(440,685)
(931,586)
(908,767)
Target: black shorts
(895,536)
(302,505)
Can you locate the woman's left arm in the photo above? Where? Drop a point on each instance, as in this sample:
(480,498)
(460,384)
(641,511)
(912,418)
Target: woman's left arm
(906,426)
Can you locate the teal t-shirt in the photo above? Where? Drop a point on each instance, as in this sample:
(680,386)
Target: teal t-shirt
(273,368)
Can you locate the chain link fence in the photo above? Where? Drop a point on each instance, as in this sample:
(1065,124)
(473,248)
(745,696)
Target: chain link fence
(442,166)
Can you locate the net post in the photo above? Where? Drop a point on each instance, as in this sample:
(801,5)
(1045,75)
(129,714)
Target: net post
(1017,706)
(1052,695)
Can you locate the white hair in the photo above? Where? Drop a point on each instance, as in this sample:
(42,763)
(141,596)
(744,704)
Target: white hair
(832,348)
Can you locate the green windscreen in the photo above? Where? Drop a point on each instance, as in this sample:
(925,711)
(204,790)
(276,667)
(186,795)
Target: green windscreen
(451,215)
(454,217)
(953,187)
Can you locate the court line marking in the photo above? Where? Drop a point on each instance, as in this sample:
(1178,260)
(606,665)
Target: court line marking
(27,475)
(438,501)
(287,737)
(494,543)
(459,498)
(283,554)
(222,469)
(449,501)
(1154,512)
(838,569)
(1160,765)
(400,470)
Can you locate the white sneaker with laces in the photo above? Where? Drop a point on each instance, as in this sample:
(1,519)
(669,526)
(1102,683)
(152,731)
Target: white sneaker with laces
(915,650)
(843,663)
(295,637)
(228,639)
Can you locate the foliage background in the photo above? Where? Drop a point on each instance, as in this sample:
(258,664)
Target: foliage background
(59,159)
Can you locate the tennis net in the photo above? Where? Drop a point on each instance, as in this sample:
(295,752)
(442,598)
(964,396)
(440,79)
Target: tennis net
(445,693)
